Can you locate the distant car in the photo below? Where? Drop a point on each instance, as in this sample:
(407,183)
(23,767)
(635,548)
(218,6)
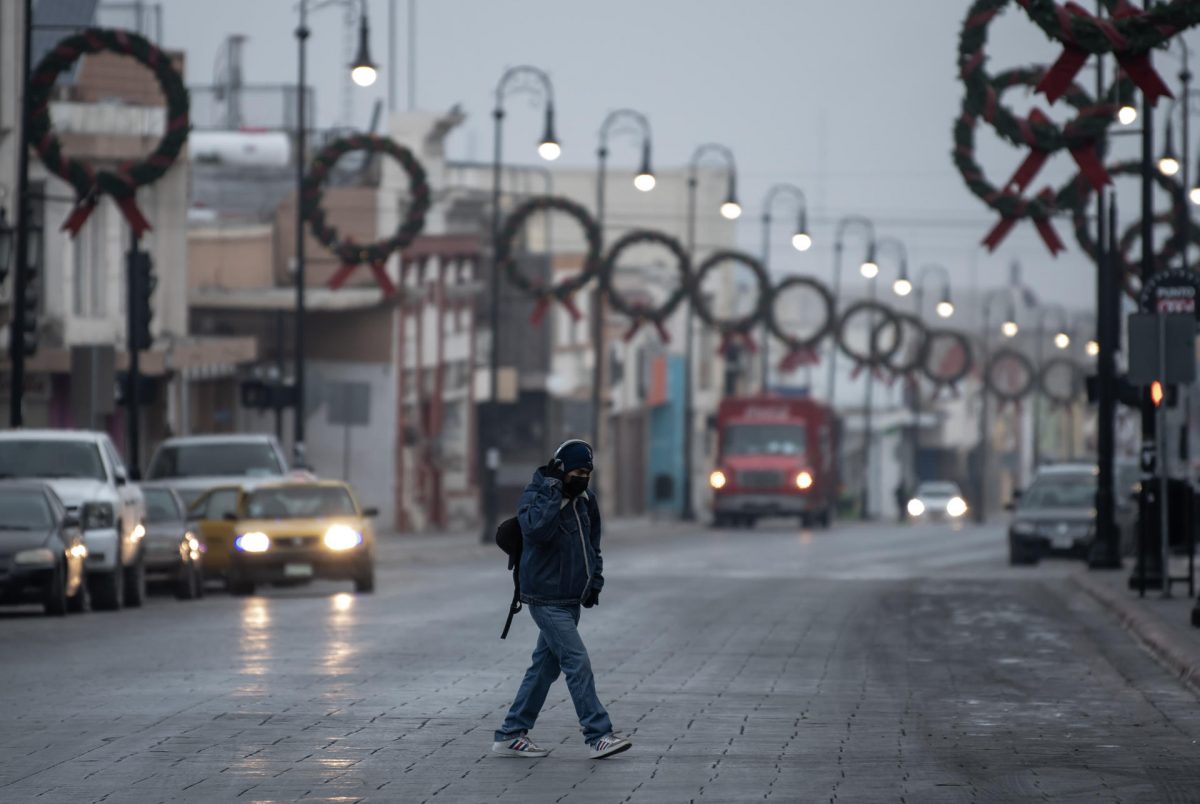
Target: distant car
(42,555)
(194,464)
(287,533)
(936,501)
(1056,515)
(84,469)
(173,551)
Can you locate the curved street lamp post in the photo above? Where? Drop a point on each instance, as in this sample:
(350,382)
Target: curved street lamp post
(945,309)
(836,285)
(801,241)
(730,210)
(549,149)
(870,270)
(1062,340)
(643,181)
(1009,329)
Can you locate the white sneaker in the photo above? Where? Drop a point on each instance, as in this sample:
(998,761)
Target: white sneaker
(519,746)
(610,745)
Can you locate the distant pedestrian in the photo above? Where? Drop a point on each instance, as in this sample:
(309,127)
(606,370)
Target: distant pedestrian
(560,571)
(901,501)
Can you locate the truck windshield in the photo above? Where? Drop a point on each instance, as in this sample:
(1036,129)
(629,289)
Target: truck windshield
(229,459)
(764,439)
(52,458)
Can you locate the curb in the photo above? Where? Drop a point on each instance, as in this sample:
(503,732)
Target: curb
(1148,631)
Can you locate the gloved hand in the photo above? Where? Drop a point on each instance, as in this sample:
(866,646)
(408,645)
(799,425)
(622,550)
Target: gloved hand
(592,599)
(554,469)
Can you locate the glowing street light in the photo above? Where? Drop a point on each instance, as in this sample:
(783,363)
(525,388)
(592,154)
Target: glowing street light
(1062,340)
(1009,329)
(945,308)
(902,286)
(362,71)
(1092,347)
(730,209)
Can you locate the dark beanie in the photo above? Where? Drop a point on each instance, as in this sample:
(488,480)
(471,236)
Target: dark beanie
(575,454)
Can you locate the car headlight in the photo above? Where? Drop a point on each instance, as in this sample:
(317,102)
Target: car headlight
(342,537)
(40,557)
(253,542)
(804,481)
(717,479)
(915,507)
(1024,528)
(98,516)
(956,507)
(139,532)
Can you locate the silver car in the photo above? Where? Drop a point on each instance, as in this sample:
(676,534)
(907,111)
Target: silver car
(937,501)
(191,465)
(173,551)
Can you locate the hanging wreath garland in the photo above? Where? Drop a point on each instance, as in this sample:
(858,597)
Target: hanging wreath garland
(563,291)
(640,313)
(1009,201)
(873,357)
(1060,394)
(352,254)
(88,183)
(1130,36)
(1036,131)
(942,347)
(1010,360)
(801,350)
(1131,269)
(737,328)
(915,355)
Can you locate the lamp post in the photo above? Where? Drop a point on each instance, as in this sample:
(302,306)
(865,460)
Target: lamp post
(16,327)
(730,210)
(644,181)
(7,241)
(549,150)
(870,270)
(363,73)
(1008,329)
(801,241)
(1062,340)
(944,309)
(836,285)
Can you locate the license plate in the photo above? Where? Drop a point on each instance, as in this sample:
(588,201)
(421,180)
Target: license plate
(1063,542)
(297,570)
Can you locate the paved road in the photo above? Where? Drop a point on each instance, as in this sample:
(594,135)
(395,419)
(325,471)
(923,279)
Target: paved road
(860,664)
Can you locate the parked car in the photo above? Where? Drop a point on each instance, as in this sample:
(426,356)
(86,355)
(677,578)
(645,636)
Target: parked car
(1056,515)
(85,471)
(173,551)
(287,533)
(42,555)
(194,464)
(936,501)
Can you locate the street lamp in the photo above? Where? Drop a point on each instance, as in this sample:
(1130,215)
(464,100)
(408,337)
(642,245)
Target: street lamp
(801,241)
(549,149)
(361,71)
(730,210)
(644,181)
(1009,326)
(945,309)
(1092,347)
(1168,162)
(838,247)
(868,393)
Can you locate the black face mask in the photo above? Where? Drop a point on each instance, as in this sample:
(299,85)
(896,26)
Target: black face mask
(574,486)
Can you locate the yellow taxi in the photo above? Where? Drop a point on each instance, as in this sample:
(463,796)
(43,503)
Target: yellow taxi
(286,533)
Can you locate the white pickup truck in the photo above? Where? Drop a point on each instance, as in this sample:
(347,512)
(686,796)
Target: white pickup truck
(84,469)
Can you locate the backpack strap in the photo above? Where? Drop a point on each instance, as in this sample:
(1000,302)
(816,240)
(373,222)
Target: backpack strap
(515,606)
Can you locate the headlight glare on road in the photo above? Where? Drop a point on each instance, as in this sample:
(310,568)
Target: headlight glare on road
(253,542)
(804,481)
(717,479)
(342,537)
(40,557)
(915,507)
(956,507)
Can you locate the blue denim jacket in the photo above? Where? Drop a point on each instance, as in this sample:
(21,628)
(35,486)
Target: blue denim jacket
(560,559)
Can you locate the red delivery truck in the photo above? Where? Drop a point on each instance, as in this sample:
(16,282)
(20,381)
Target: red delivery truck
(775,457)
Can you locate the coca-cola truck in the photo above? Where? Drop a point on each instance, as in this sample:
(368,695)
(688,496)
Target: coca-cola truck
(776,456)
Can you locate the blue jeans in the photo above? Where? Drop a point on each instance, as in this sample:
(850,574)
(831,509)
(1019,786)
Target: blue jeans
(558,647)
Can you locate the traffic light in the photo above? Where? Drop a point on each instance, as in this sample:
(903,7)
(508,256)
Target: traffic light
(1161,394)
(1156,393)
(141,274)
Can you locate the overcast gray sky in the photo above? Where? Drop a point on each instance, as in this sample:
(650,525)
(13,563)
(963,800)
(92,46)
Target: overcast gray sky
(852,100)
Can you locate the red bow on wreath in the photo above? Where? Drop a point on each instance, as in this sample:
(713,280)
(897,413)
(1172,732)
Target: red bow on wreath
(1136,65)
(1045,229)
(1084,152)
(126,202)
(377,270)
(730,339)
(796,358)
(543,306)
(658,325)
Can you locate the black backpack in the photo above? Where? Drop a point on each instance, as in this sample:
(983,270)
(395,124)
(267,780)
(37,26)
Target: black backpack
(510,540)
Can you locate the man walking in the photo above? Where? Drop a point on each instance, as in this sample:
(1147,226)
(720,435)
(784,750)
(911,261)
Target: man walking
(560,571)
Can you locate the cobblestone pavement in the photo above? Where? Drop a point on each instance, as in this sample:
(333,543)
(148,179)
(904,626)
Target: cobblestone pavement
(859,664)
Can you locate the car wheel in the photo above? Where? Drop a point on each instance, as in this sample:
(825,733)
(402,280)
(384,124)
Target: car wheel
(81,602)
(749,522)
(240,588)
(365,583)
(107,590)
(135,583)
(187,585)
(56,593)
(720,521)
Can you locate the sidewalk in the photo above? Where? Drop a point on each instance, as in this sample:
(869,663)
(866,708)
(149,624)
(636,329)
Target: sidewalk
(1162,625)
